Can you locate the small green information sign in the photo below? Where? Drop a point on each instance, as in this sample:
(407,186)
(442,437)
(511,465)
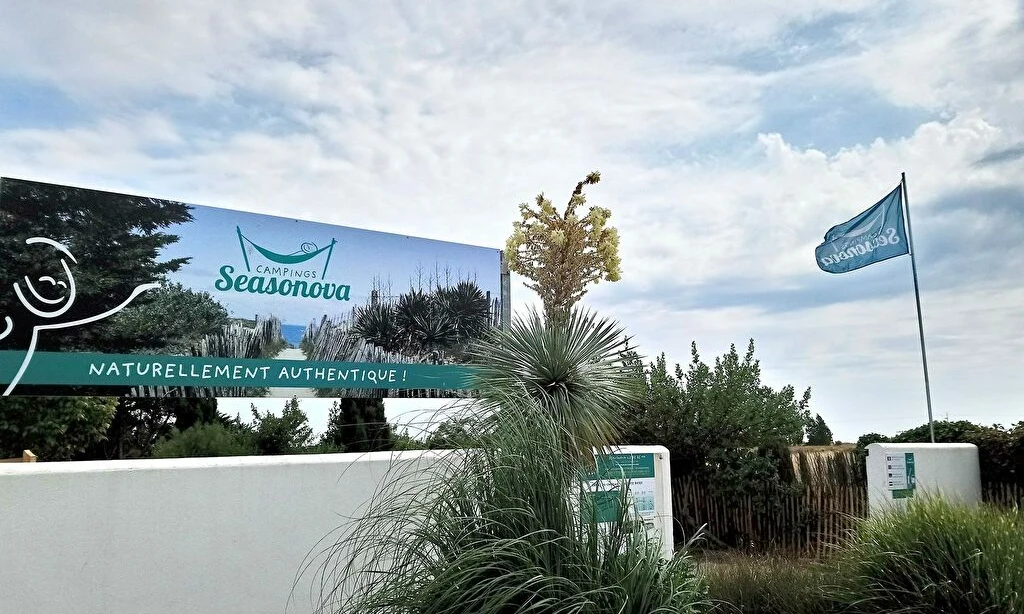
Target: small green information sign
(624,467)
(636,471)
(901,474)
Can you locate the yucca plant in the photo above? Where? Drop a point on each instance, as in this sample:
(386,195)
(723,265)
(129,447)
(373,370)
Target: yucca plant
(444,321)
(376,324)
(502,526)
(573,372)
(468,307)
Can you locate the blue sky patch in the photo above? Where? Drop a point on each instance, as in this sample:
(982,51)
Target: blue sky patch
(25,103)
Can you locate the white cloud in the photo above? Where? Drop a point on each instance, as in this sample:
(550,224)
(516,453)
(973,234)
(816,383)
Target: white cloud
(869,350)
(399,117)
(945,55)
(717,221)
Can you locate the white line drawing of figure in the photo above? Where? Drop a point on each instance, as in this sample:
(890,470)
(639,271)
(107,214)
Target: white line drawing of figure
(67,297)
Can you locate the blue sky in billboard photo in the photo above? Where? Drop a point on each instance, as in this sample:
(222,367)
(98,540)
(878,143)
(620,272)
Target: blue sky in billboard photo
(730,136)
(359,259)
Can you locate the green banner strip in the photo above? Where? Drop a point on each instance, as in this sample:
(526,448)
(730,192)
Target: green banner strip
(83,369)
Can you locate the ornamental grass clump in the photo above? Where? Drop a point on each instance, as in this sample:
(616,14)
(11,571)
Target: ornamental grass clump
(937,556)
(502,527)
(741,584)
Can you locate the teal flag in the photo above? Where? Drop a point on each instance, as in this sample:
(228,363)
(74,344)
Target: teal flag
(875,235)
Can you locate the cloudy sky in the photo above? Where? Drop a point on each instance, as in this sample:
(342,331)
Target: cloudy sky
(730,136)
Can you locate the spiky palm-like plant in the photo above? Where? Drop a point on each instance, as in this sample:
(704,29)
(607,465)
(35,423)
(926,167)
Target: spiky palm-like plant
(573,371)
(499,527)
(376,324)
(468,308)
(445,320)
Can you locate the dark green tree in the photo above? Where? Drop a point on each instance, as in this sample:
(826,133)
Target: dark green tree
(57,428)
(288,433)
(869,438)
(116,240)
(818,433)
(358,425)
(723,427)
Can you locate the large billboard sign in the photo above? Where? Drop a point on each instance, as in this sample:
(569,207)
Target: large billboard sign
(105,293)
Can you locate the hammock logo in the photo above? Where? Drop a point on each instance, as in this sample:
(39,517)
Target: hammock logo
(294,274)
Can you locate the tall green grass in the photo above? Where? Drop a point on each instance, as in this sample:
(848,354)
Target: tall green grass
(502,527)
(933,557)
(937,557)
(740,584)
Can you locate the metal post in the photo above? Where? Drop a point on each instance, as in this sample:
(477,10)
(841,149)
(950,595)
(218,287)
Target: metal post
(917,299)
(506,294)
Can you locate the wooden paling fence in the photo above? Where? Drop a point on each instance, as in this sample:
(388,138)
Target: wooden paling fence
(1005,495)
(812,521)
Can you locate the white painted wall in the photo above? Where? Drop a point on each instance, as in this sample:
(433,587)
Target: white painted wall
(947,469)
(196,536)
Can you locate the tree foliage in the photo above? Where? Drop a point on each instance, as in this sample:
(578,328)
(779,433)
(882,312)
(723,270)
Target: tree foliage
(818,433)
(115,239)
(173,319)
(723,427)
(54,428)
(704,413)
(453,434)
(214,439)
(288,433)
(402,440)
(139,424)
(869,438)
(357,425)
(563,253)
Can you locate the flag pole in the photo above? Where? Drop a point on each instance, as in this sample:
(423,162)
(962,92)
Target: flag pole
(917,299)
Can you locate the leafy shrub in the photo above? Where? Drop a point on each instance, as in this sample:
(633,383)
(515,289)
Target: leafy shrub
(54,428)
(769,585)
(937,557)
(185,316)
(1000,454)
(946,431)
(865,440)
(205,440)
